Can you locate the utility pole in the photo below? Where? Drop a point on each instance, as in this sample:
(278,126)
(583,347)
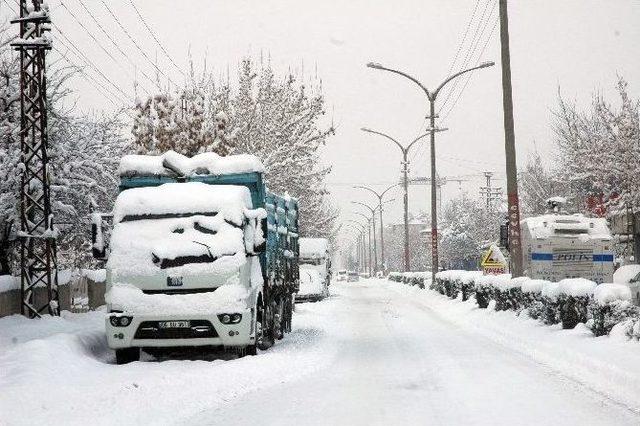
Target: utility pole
(405,185)
(37,234)
(515,248)
(490,193)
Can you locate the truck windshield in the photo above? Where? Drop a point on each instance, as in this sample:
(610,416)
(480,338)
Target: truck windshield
(173,240)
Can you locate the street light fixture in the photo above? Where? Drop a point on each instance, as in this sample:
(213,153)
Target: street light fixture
(405,184)
(431,96)
(380,196)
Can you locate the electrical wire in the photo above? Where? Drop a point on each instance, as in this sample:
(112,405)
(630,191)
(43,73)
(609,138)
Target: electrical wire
(73,15)
(90,62)
(144,22)
(468,79)
(136,44)
(477,37)
(464,37)
(117,46)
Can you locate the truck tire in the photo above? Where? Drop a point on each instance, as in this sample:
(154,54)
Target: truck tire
(264,328)
(127,355)
(251,350)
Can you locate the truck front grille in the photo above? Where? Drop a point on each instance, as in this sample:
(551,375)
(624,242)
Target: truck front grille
(198,329)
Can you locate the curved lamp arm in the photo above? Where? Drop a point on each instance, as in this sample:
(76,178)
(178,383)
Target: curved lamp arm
(371,209)
(458,74)
(417,139)
(415,80)
(402,148)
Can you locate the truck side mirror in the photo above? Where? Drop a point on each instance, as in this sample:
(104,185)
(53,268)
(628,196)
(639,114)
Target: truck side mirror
(260,241)
(98,245)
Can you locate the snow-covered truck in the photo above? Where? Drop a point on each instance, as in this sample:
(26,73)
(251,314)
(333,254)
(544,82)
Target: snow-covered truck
(315,269)
(559,245)
(200,254)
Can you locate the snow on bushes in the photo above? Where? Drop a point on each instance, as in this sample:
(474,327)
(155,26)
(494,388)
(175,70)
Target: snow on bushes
(604,308)
(611,305)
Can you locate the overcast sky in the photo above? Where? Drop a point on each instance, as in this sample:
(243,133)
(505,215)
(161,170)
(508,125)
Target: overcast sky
(577,45)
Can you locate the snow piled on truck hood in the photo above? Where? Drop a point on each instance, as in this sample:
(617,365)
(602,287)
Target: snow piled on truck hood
(171,163)
(213,230)
(228,201)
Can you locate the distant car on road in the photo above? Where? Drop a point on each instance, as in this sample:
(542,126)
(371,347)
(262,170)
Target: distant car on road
(352,276)
(629,275)
(341,275)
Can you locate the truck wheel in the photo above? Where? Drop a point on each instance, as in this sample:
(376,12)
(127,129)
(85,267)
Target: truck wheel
(251,350)
(264,335)
(127,355)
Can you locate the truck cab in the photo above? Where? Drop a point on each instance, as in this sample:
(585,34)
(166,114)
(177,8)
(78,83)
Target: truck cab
(315,269)
(192,259)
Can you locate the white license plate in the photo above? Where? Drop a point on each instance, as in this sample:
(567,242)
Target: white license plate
(174,324)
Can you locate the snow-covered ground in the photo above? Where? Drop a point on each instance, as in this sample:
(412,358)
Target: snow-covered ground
(375,352)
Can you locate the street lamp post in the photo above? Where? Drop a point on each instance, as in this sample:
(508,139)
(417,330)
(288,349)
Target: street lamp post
(363,232)
(431,96)
(357,246)
(368,219)
(383,262)
(373,219)
(405,184)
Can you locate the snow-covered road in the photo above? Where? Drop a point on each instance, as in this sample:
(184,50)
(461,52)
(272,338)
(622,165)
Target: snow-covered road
(399,362)
(376,352)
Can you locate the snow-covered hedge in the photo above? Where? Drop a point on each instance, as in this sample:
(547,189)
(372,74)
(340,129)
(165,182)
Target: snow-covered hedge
(603,307)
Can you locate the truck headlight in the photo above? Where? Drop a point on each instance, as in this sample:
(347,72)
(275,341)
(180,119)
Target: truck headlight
(120,321)
(230,318)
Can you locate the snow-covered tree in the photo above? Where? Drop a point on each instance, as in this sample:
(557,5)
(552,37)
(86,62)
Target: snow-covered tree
(600,150)
(83,152)
(275,118)
(9,147)
(466,227)
(537,183)
(85,155)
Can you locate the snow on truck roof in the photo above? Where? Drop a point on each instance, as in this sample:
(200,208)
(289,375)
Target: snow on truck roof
(229,201)
(171,163)
(313,247)
(548,225)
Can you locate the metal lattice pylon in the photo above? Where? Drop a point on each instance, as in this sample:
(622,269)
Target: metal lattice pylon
(37,236)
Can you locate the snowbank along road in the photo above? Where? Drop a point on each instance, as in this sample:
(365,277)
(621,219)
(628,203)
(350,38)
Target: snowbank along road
(376,352)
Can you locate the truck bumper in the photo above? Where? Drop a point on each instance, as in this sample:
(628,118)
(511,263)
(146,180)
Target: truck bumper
(203,330)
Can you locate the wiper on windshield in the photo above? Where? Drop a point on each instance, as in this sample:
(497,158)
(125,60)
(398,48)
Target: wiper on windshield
(132,217)
(185,260)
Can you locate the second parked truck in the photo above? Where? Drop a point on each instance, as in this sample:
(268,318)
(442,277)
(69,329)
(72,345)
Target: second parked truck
(200,254)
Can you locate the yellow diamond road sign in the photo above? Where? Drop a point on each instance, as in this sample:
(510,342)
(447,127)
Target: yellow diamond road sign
(493,260)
